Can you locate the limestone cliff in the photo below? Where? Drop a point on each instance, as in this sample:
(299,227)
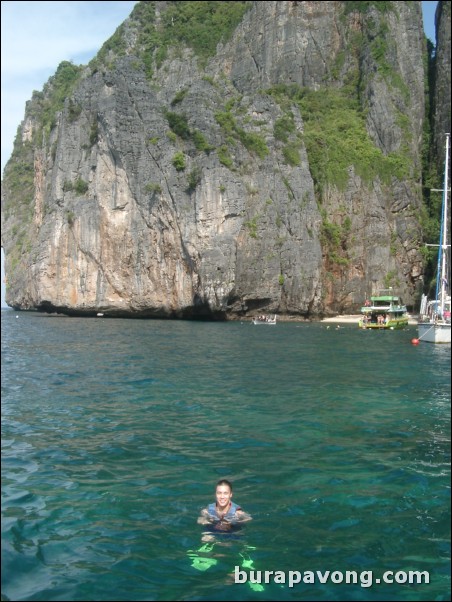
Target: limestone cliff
(441,89)
(279,170)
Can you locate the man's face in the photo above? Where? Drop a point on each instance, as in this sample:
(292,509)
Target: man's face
(223,495)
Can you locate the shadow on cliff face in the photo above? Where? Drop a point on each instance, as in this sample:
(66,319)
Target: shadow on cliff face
(200,311)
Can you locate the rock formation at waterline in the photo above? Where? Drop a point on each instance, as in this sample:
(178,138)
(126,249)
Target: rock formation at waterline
(273,165)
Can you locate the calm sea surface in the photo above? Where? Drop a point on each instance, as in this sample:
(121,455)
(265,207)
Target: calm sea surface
(114,433)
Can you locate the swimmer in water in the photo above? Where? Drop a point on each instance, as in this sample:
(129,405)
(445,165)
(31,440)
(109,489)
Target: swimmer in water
(224,514)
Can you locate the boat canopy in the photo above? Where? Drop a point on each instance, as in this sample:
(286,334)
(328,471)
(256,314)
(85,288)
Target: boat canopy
(387,298)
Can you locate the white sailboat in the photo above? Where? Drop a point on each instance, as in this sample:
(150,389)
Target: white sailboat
(434,321)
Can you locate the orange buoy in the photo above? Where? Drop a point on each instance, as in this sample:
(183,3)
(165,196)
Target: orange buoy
(415,341)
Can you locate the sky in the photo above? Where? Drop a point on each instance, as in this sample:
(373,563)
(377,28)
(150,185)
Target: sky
(36,36)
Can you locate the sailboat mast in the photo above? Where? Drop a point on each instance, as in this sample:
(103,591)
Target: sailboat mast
(443,248)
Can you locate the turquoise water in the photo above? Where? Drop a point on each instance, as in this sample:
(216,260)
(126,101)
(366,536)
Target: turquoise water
(114,433)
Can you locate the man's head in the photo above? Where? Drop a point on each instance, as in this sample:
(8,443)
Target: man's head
(223,493)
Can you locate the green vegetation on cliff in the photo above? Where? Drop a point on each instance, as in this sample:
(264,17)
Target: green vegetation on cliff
(336,138)
(199,25)
(46,104)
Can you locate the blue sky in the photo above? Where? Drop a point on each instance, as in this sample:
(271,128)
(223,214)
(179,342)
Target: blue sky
(37,36)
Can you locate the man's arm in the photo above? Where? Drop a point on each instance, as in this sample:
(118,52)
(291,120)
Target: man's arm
(240,517)
(205,518)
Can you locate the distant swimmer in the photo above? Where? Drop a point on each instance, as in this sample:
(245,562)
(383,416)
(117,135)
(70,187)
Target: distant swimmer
(224,514)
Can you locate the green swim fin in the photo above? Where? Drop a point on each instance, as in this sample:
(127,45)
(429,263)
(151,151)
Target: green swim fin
(202,564)
(256,587)
(247,563)
(207,547)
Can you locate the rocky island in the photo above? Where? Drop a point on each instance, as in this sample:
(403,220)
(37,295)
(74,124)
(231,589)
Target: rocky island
(217,160)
